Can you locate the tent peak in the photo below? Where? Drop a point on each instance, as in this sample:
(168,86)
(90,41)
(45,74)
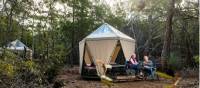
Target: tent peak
(17,44)
(107,31)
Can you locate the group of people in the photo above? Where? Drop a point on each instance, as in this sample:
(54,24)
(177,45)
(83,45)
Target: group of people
(146,65)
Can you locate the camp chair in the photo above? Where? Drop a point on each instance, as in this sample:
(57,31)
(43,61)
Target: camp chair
(131,71)
(152,74)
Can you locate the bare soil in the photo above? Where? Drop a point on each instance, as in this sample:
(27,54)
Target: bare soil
(71,79)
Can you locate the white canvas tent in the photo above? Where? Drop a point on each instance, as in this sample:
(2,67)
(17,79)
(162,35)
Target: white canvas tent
(100,47)
(18,46)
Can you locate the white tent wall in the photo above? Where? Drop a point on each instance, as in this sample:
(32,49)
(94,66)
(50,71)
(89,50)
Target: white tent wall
(87,56)
(101,52)
(81,51)
(128,48)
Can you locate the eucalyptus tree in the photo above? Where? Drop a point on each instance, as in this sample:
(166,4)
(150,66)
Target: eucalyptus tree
(185,33)
(148,25)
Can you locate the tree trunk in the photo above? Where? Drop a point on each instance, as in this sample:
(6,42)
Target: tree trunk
(167,38)
(72,36)
(187,50)
(9,24)
(52,25)
(150,32)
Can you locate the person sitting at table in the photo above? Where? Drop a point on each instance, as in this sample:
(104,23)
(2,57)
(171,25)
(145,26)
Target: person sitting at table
(133,64)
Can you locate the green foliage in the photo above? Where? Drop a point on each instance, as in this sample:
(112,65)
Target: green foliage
(14,69)
(164,75)
(7,69)
(10,64)
(30,65)
(9,55)
(14,33)
(174,61)
(7,63)
(196,59)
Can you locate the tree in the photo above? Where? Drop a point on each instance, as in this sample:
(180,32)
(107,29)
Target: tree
(168,31)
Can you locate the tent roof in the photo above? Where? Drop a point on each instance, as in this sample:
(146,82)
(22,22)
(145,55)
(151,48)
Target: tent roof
(16,45)
(107,31)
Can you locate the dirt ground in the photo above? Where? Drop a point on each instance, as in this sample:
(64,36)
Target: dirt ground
(71,79)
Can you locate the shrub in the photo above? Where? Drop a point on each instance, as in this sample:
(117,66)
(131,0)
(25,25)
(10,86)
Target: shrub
(196,59)
(7,69)
(174,62)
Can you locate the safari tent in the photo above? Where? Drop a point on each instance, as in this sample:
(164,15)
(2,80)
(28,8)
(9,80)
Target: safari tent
(18,47)
(102,47)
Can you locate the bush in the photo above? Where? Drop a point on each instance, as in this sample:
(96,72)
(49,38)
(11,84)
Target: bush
(7,64)
(7,69)
(34,73)
(196,59)
(31,66)
(20,73)
(174,62)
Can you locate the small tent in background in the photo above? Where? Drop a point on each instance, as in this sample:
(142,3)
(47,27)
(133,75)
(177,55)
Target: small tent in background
(102,47)
(19,47)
